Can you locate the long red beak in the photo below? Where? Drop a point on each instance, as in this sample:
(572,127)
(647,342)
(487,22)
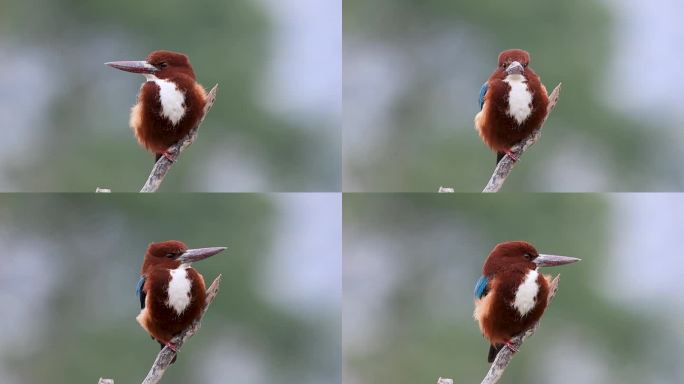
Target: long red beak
(192,255)
(133,66)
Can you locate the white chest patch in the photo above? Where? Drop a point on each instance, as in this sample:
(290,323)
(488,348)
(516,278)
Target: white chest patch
(179,289)
(519,98)
(172,100)
(525,296)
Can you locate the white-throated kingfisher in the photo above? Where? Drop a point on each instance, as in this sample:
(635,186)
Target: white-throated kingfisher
(511,295)
(172,293)
(170,102)
(513,103)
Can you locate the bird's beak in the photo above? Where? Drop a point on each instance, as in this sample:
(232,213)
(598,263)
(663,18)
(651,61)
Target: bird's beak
(553,260)
(192,255)
(133,66)
(515,68)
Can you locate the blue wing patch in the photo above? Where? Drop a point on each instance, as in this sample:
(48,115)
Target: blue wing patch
(140,292)
(483,92)
(481,287)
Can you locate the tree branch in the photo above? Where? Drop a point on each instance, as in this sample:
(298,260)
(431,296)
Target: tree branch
(506,354)
(503,169)
(166,355)
(163,165)
(163,360)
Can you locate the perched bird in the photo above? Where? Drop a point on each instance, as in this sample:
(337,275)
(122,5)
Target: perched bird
(170,102)
(513,103)
(172,293)
(511,295)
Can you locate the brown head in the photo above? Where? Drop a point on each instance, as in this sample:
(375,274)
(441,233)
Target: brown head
(171,254)
(513,61)
(161,64)
(521,256)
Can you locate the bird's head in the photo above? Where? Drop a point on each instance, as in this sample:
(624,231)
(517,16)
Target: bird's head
(520,255)
(513,62)
(160,64)
(171,254)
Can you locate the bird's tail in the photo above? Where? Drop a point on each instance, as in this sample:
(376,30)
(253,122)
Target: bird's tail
(493,351)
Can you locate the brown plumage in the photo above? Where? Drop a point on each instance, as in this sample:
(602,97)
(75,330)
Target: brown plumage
(498,128)
(160,320)
(172,294)
(170,103)
(511,295)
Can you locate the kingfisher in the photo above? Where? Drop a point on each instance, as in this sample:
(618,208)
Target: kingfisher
(170,101)
(513,103)
(172,293)
(511,295)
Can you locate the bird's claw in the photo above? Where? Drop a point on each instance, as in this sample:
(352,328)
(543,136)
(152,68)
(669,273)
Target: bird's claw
(513,347)
(512,155)
(169,156)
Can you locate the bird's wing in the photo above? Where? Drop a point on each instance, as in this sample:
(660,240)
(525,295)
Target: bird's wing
(483,92)
(140,291)
(481,287)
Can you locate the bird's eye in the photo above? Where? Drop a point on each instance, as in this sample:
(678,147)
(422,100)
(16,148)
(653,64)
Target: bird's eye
(525,65)
(528,256)
(163,64)
(170,255)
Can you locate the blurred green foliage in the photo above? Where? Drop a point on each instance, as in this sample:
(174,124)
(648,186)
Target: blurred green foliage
(411,261)
(81,139)
(74,262)
(433,56)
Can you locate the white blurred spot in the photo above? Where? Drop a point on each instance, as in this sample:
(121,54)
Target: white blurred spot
(304,272)
(305,74)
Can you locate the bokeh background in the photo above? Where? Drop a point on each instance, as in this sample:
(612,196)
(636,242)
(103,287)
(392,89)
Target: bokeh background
(70,265)
(411,262)
(413,70)
(275,125)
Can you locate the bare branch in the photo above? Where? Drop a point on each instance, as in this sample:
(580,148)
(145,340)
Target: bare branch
(166,355)
(163,360)
(503,169)
(505,355)
(163,165)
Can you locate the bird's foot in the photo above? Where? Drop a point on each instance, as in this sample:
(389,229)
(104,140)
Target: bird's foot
(513,347)
(172,346)
(169,156)
(512,155)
